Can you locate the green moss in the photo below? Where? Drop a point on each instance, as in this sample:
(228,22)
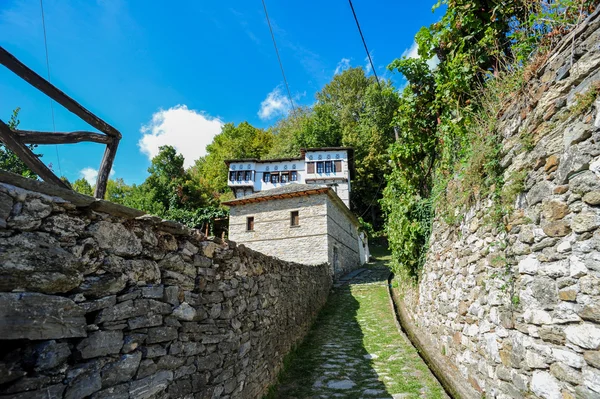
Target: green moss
(585,101)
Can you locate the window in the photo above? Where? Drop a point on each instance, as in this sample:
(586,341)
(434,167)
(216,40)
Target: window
(266,177)
(248,175)
(250,223)
(232,176)
(310,167)
(274,178)
(284,177)
(293,176)
(295,219)
(240,175)
(337,166)
(319,167)
(328,167)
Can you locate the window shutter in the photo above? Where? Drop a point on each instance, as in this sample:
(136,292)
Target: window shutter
(311,167)
(337,166)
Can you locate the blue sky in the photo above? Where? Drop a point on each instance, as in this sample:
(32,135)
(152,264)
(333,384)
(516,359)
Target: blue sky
(173,72)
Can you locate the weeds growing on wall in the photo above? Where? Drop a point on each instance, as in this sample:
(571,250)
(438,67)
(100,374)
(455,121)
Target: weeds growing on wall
(448,153)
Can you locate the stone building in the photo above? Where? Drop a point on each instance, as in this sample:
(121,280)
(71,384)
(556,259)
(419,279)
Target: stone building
(329,166)
(304,223)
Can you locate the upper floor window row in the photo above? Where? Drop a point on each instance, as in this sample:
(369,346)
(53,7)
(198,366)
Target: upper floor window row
(283,177)
(240,175)
(324,167)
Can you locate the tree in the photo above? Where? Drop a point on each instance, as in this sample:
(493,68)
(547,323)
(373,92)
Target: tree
(9,161)
(354,111)
(234,142)
(82,186)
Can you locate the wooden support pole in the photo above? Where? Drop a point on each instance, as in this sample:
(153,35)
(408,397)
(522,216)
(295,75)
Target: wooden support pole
(35,137)
(21,70)
(11,140)
(105,167)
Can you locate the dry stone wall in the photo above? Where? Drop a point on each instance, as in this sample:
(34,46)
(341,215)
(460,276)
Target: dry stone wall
(97,301)
(518,313)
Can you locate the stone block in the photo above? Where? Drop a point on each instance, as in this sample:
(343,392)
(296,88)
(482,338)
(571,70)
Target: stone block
(592,358)
(101,343)
(585,335)
(566,373)
(553,210)
(50,354)
(544,385)
(161,334)
(115,238)
(122,370)
(559,228)
(38,316)
(585,221)
(151,386)
(35,262)
(85,382)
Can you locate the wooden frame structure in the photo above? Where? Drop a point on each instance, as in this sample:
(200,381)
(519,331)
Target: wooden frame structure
(15,140)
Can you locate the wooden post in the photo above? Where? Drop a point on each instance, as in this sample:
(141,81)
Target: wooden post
(105,167)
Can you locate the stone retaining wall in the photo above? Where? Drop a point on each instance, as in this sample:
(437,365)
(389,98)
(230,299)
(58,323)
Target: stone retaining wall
(97,301)
(518,313)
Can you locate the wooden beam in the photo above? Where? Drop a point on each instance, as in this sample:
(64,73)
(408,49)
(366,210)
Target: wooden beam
(11,140)
(35,137)
(21,70)
(105,168)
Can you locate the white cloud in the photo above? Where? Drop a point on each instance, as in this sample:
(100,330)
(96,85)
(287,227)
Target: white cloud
(91,174)
(413,52)
(187,130)
(368,68)
(342,65)
(275,104)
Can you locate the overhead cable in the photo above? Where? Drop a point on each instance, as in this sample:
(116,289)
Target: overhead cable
(279,59)
(48,69)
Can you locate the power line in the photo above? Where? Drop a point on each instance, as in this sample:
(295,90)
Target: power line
(279,59)
(379,85)
(365,44)
(48,69)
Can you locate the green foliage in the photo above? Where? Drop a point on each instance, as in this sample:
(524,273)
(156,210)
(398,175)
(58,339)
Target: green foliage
(448,154)
(196,218)
(234,142)
(351,110)
(9,161)
(82,186)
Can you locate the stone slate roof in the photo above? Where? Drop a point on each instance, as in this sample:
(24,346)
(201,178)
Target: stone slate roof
(293,190)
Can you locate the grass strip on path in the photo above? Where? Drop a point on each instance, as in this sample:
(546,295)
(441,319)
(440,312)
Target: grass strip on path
(355,350)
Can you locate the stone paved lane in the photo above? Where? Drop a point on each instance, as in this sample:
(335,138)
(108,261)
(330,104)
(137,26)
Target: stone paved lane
(355,350)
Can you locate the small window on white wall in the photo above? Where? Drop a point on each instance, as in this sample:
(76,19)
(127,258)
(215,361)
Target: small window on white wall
(295,218)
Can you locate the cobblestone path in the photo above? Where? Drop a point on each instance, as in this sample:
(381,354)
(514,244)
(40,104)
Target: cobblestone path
(356,351)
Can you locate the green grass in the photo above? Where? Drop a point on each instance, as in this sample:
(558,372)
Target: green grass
(357,322)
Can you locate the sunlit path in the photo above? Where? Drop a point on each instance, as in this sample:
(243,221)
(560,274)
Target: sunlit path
(356,351)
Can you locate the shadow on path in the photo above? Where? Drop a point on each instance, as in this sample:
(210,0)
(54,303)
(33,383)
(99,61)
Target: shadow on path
(354,350)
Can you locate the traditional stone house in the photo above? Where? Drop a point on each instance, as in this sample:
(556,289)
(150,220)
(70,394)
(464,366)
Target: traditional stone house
(303,223)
